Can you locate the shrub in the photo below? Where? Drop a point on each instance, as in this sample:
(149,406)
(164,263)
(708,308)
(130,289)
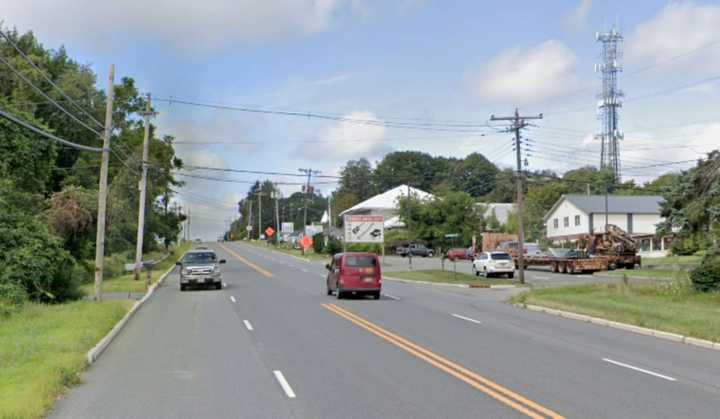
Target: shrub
(706,277)
(334,246)
(318,243)
(12,297)
(32,258)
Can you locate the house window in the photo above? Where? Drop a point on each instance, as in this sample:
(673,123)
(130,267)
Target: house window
(577,220)
(566,221)
(555,223)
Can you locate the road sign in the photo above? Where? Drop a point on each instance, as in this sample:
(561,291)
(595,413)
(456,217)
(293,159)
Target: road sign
(287,227)
(364,228)
(306,242)
(451,236)
(248,228)
(269,231)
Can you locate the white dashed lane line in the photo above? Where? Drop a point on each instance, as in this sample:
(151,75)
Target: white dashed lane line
(638,369)
(467,319)
(392,297)
(284,384)
(248,325)
(233,299)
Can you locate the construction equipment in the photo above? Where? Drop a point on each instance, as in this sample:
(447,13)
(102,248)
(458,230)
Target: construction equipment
(616,245)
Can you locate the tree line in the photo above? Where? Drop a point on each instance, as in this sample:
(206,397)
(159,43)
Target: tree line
(48,192)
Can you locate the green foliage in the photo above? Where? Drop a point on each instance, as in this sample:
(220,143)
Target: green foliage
(356,178)
(318,243)
(431,220)
(12,298)
(692,206)
(334,246)
(33,258)
(475,175)
(706,277)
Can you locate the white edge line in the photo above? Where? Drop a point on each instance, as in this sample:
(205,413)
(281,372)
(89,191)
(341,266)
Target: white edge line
(392,297)
(233,299)
(664,377)
(284,384)
(468,319)
(248,325)
(322,276)
(224,285)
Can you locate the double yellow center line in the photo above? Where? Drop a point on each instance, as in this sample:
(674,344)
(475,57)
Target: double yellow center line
(237,256)
(492,389)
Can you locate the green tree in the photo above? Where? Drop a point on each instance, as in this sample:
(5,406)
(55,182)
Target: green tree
(431,220)
(475,175)
(357,178)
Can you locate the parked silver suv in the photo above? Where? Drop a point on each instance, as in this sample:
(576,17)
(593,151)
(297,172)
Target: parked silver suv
(200,267)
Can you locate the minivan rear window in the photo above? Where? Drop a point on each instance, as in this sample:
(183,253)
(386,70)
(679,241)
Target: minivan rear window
(500,256)
(360,261)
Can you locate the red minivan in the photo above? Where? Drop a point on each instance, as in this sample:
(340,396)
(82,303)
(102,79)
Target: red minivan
(354,273)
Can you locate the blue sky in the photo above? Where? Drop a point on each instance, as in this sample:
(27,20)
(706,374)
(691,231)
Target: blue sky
(373,59)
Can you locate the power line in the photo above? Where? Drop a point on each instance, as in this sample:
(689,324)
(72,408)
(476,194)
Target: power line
(423,126)
(48,79)
(255,172)
(43,94)
(48,135)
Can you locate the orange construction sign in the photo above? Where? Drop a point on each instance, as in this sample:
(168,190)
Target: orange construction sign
(306,242)
(269,231)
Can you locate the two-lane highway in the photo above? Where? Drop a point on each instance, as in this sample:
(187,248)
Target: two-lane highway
(271,344)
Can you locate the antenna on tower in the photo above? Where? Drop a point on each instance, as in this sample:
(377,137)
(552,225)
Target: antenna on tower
(610,99)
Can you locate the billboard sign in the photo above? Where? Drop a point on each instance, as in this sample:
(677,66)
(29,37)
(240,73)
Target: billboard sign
(364,228)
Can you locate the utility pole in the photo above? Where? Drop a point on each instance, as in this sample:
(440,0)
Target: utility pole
(250,217)
(309,173)
(277,217)
(259,195)
(102,191)
(518,123)
(606,207)
(143,188)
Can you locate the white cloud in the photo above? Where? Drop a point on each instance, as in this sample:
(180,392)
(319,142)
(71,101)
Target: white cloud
(349,140)
(577,18)
(677,29)
(185,24)
(526,75)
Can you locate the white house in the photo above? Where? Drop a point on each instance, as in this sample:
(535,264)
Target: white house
(574,215)
(386,204)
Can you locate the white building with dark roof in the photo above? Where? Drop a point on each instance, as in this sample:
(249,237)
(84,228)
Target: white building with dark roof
(386,204)
(575,215)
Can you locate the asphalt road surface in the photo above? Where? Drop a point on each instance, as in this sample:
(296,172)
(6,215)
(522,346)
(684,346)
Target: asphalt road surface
(270,344)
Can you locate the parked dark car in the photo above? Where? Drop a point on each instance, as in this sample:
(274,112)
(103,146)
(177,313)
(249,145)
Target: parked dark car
(354,273)
(414,249)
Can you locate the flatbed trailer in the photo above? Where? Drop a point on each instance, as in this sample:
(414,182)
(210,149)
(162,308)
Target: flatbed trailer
(569,265)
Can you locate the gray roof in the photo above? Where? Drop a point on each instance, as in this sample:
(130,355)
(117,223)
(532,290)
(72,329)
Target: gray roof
(639,204)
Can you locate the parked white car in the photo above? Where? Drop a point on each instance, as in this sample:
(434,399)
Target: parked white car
(493,263)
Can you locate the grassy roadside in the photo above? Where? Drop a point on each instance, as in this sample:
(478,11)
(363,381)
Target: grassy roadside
(42,351)
(671,260)
(293,252)
(648,273)
(671,307)
(447,277)
(127,282)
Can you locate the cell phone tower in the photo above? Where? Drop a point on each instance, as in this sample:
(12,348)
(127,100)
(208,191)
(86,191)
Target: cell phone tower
(610,99)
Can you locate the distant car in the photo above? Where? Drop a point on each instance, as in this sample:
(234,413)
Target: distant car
(414,249)
(494,263)
(200,267)
(354,273)
(459,253)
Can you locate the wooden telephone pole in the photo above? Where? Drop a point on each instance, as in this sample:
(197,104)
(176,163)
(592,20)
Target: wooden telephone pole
(102,190)
(518,122)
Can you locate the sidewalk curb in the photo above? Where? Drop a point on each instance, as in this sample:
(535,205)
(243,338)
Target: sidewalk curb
(94,353)
(444,284)
(625,326)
